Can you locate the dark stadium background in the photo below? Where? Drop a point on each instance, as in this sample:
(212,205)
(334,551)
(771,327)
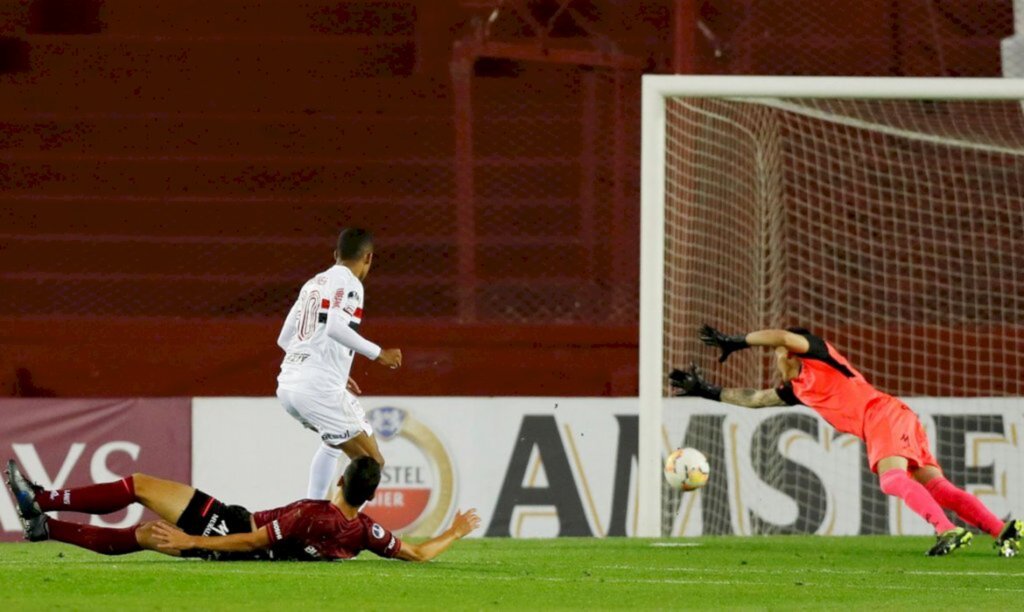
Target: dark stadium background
(171,171)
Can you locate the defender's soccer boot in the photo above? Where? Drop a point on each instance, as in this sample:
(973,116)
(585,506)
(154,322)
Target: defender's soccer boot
(24,492)
(37,528)
(948,541)
(1008,542)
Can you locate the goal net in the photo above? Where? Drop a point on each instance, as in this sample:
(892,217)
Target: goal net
(886,215)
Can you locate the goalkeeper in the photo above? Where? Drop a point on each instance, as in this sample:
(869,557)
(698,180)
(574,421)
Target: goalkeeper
(816,375)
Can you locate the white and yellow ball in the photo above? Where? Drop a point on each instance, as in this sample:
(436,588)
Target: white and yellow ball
(687,469)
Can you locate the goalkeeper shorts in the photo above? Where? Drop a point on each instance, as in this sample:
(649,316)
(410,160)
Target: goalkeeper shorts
(893,430)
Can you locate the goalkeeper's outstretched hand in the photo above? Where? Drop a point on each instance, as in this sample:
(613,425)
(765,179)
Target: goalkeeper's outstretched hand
(690,382)
(728,344)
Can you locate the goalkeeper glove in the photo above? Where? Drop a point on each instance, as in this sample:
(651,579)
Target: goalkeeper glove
(689,382)
(728,344)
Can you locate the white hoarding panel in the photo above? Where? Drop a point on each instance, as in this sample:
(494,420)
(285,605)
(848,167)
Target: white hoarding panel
(544,467)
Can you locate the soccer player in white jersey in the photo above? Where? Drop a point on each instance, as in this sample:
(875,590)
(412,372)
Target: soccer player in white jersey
(320,338)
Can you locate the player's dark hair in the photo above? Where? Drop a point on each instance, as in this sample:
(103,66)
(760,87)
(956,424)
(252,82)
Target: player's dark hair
(360,481)
(803,331)
(353,243)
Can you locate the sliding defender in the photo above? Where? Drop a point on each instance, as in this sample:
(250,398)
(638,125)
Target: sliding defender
(197,525)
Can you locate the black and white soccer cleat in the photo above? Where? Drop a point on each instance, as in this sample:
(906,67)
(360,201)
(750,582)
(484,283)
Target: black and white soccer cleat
(37,528)
(1008,542)
(948,541)
(24,492)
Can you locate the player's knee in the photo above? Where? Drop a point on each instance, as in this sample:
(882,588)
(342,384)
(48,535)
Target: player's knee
(141,483)
(893,482)
(886,487)
(372,453)
(376,456)
(926,474)
(144,534)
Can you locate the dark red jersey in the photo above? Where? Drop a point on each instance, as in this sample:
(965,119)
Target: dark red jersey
(833,388)
(316,530)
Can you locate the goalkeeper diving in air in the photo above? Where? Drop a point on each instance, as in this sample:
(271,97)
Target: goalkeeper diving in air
(816,375)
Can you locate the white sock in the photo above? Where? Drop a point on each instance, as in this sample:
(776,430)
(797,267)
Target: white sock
(321,471)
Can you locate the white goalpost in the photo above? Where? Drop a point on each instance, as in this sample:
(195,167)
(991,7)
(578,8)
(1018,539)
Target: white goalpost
(886,214)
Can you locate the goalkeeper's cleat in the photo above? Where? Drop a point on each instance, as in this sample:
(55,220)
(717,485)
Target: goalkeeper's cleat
(1008,542)
(37,528)
(24,492)
(948,541)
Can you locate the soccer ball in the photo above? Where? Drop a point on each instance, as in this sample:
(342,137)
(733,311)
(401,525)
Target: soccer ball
(687,469)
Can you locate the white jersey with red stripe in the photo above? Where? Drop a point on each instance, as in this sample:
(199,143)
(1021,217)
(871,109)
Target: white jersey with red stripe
(315,362)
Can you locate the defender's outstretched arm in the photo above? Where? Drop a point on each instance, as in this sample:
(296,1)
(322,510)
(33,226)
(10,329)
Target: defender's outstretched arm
(463,525)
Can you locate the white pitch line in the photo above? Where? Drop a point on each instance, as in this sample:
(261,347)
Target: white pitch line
(818,570)
(675,544)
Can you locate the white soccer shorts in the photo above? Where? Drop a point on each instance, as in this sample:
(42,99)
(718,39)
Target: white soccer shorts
(337,420)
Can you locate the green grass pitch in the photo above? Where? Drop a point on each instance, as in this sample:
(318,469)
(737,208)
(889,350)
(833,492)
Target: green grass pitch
(780,572)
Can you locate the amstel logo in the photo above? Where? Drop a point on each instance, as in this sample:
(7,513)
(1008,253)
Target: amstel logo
(416,484)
